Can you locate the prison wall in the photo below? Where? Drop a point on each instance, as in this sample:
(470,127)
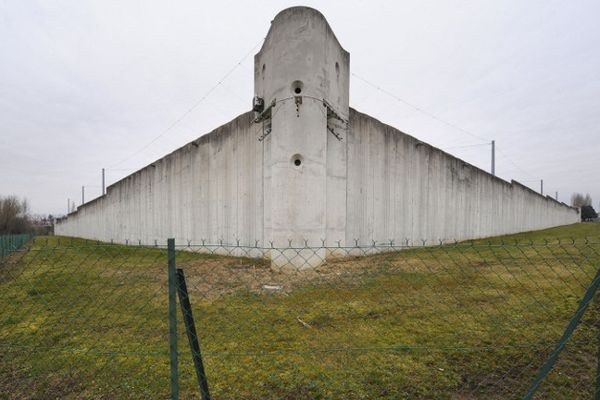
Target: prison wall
(210,189)
(395,187)
(320,172)
(401,188)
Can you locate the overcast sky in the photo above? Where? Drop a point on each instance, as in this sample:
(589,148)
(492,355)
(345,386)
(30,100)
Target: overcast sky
(92,84)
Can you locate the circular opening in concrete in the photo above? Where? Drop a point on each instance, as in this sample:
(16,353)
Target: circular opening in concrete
(297,87)
(337,68)
(297,160)
(263,68)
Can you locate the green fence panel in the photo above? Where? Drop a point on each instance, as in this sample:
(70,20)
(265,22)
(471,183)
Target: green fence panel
(11,243)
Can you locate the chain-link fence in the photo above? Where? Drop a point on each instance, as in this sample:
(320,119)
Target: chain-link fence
(477,320)
(10,243)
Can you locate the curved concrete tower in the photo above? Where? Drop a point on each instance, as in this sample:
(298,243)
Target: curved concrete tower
(302,78)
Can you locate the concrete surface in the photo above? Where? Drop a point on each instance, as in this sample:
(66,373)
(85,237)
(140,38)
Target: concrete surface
(313,172)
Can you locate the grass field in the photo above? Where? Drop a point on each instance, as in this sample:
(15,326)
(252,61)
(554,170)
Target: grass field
(467,321)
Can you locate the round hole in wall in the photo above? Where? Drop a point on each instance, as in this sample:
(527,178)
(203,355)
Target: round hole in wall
(297,87)
(297,160)
(263,68)
(337,68)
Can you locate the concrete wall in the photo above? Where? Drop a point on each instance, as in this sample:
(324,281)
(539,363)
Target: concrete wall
(381,185)
(359,180)
(401,188)
(210,189)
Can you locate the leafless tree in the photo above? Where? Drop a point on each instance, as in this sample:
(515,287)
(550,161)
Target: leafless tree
(579,200)
(14,217)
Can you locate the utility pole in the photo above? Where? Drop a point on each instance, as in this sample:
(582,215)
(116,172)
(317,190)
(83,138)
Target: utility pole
(556,196)
(68,205)
(542,186)
(82,195)
(494,157)
(103,185)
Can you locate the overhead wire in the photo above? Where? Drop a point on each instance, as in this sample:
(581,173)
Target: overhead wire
(466,146)
(192,108)
(506,157)
(187,112)
(439,119)
(364,80)
(419,109)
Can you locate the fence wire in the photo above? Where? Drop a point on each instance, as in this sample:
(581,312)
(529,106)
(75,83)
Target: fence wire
(473,320)
(83,320)
(11,243)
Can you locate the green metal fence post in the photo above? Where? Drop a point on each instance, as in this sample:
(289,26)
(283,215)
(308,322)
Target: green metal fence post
(551,360)
(173,318)
(190,328)
(597,394)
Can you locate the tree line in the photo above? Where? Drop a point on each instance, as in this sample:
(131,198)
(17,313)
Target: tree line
(15,218)
(584,203)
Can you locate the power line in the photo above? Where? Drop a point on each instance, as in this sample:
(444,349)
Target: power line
(439,119)
(466,146)
(193,107)
(419,109)
(505,156)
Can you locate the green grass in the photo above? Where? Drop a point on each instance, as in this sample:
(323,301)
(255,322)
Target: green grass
(466,321)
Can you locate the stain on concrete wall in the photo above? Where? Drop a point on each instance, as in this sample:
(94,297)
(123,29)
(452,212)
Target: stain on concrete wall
(401,188)
(210,189)
(393,187)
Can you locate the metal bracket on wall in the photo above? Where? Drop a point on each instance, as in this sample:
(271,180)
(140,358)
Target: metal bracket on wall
(334,133)
(332,113)
(265,118)
(266,114)
(266,131)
